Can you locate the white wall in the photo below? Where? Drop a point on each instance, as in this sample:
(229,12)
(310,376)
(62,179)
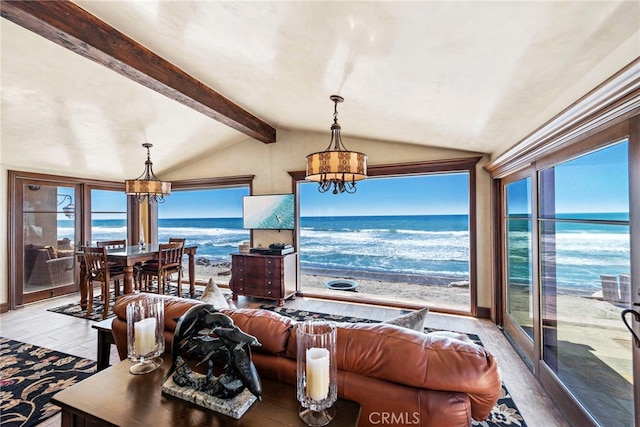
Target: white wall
(4,260)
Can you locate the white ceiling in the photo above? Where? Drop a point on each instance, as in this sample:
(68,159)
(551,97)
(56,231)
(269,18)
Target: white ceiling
(474,75)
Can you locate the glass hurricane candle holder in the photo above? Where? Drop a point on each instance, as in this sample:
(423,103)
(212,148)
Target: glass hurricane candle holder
(317,386)
(145,335)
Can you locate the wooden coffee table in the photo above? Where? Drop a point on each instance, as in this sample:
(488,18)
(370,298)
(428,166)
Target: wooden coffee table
(114,397)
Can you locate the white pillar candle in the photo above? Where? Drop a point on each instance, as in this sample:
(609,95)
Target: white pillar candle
(145,336)
(317,373)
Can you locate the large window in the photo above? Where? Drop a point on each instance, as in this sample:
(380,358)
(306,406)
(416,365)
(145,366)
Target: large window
(399,238)
(108,215)
(210,219)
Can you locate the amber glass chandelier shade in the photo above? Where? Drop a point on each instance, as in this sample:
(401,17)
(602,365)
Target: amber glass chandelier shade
(339,165)
(144,187)
(147,186)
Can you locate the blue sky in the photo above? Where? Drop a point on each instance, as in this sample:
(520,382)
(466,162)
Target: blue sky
(597,182)
(435,194)
(227,203)
(416,195)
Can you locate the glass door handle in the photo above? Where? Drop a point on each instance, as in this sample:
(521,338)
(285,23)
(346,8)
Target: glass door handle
(635,314)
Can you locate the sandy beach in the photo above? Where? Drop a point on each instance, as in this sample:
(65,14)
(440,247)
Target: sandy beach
(449,293)
(444,293)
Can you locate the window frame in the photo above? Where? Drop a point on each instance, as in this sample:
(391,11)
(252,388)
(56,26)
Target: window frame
(463,164)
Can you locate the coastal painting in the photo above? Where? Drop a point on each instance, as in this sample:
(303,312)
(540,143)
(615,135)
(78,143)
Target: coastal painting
(268,212)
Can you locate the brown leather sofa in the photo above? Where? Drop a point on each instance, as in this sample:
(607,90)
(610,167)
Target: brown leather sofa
(399,376)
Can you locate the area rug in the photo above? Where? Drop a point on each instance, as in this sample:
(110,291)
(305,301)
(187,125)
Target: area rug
(29,376)
(504,413)
(75,310)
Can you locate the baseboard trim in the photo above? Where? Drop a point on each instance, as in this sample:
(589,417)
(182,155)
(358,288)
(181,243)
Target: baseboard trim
(4,307)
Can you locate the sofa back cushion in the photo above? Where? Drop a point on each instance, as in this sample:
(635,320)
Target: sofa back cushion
(173,307)
(271,329)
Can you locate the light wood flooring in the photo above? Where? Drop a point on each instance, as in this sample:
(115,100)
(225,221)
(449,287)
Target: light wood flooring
(34,324)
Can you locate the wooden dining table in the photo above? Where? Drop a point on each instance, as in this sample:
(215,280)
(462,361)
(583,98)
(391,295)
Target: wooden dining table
(128,257)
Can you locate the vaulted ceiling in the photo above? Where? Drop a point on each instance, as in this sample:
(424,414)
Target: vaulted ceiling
(475,76)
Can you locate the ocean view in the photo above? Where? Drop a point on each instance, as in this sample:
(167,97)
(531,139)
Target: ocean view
(422,245)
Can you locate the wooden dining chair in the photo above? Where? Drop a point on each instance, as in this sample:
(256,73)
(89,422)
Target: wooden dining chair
(169,262)
(98,270)
(122,244)
(182,241)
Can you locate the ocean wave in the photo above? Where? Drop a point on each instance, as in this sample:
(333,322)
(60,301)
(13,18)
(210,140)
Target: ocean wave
(438,247)
(200,232)
(109,230)
(378,232)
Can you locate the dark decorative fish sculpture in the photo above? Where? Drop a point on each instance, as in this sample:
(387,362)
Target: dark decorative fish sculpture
(205,335)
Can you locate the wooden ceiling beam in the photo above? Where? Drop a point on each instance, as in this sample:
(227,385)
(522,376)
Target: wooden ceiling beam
(70,26)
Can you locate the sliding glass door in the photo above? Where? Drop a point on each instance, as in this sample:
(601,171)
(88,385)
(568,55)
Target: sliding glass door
(519,271)
(50,217)
(566,239)
(585,270)
(47,230)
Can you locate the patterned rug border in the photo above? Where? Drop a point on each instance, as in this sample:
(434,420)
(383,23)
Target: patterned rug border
(504,413)
(30,375)
(74,309)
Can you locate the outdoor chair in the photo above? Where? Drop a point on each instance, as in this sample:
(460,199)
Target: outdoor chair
(625,288)
(609,288)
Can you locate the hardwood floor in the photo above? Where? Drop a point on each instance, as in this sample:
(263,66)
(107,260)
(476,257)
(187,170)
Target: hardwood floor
(34,324)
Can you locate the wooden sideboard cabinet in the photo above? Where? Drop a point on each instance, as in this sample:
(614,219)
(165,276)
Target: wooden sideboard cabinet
(263,276)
